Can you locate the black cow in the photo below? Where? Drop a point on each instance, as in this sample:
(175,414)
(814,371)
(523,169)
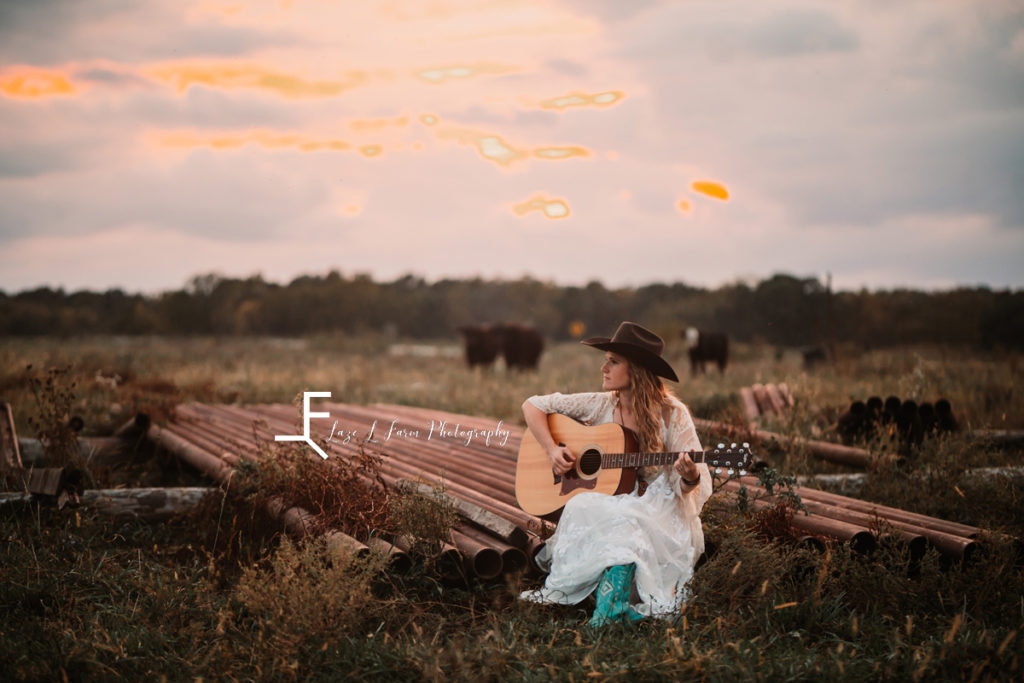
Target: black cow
(706,347)
(520,345)
(813,355)
(483,344)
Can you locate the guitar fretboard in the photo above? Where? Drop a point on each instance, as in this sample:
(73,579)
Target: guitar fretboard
(623,460)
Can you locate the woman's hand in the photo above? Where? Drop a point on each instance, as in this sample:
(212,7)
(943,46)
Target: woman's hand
(562,459)
(687,468)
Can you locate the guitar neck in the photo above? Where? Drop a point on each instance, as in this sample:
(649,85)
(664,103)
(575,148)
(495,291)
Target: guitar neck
(623,460)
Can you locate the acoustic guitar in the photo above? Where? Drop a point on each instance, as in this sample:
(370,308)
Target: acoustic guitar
(606,462)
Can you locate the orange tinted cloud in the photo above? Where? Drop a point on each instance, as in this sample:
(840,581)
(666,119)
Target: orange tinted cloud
(261,138)
(551,208)
(490,147)
(35,83)
(496,148)
(560,152)
(377,124)
(448,73)
(239,76)
(601,99)
(711,189)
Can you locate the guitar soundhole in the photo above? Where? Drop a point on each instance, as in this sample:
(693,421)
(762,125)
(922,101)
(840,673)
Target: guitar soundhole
(589,462)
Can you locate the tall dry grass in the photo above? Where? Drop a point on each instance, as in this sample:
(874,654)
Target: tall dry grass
(222,595)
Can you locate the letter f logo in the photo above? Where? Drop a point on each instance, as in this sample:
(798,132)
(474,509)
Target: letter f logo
(306,415)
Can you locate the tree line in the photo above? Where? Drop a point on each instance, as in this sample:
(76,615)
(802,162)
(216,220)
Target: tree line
(782,310)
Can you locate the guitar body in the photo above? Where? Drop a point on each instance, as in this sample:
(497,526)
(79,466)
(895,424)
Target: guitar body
(541,492)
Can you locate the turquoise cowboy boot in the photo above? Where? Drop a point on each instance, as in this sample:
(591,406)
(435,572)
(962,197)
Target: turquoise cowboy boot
(613,596)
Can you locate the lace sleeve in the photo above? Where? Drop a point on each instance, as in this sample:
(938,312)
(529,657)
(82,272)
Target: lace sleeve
(682,436)
(588,408)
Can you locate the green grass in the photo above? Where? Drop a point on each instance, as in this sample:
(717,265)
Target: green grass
(221,595)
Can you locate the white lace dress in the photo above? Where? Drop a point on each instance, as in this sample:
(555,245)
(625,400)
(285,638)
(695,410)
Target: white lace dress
(659,531)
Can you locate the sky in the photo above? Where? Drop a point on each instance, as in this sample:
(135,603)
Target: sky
(878,143)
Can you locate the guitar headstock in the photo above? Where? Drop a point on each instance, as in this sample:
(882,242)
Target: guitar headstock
(732,459)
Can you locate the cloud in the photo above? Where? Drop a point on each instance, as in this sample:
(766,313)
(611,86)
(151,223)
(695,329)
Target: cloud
(866,119)
(829,126)
(202,193)
(795,32)
(46,32)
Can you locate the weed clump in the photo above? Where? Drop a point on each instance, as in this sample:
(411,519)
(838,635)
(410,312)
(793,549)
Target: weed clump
(307,597)
(345,494)
(55,426)
(425,520)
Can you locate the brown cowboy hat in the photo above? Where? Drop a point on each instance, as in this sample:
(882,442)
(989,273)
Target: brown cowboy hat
(638,344)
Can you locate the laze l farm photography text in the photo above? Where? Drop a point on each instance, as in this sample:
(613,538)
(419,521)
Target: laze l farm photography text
(439,429)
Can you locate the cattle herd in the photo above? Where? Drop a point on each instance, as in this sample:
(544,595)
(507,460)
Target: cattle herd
(520,345)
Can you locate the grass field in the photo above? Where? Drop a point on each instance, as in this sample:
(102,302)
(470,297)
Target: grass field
(222,595)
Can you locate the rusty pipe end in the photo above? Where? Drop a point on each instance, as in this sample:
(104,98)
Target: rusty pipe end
(513,561)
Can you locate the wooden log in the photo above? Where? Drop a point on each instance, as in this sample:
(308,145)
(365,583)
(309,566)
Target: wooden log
(144,503)
(998,437)
(847,483)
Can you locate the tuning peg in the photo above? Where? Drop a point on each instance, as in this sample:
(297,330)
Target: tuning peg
(743,473)
(746,445)
(731,471)
(721,445)
(718,470)
(733,445)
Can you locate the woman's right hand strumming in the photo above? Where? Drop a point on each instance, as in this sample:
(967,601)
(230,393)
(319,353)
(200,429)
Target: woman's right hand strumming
(562,459)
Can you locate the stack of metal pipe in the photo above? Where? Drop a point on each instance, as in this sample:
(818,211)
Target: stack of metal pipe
(861,523)
(430,452)
(471,461)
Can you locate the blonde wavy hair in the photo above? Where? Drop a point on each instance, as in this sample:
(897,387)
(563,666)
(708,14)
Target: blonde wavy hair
(650,396)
